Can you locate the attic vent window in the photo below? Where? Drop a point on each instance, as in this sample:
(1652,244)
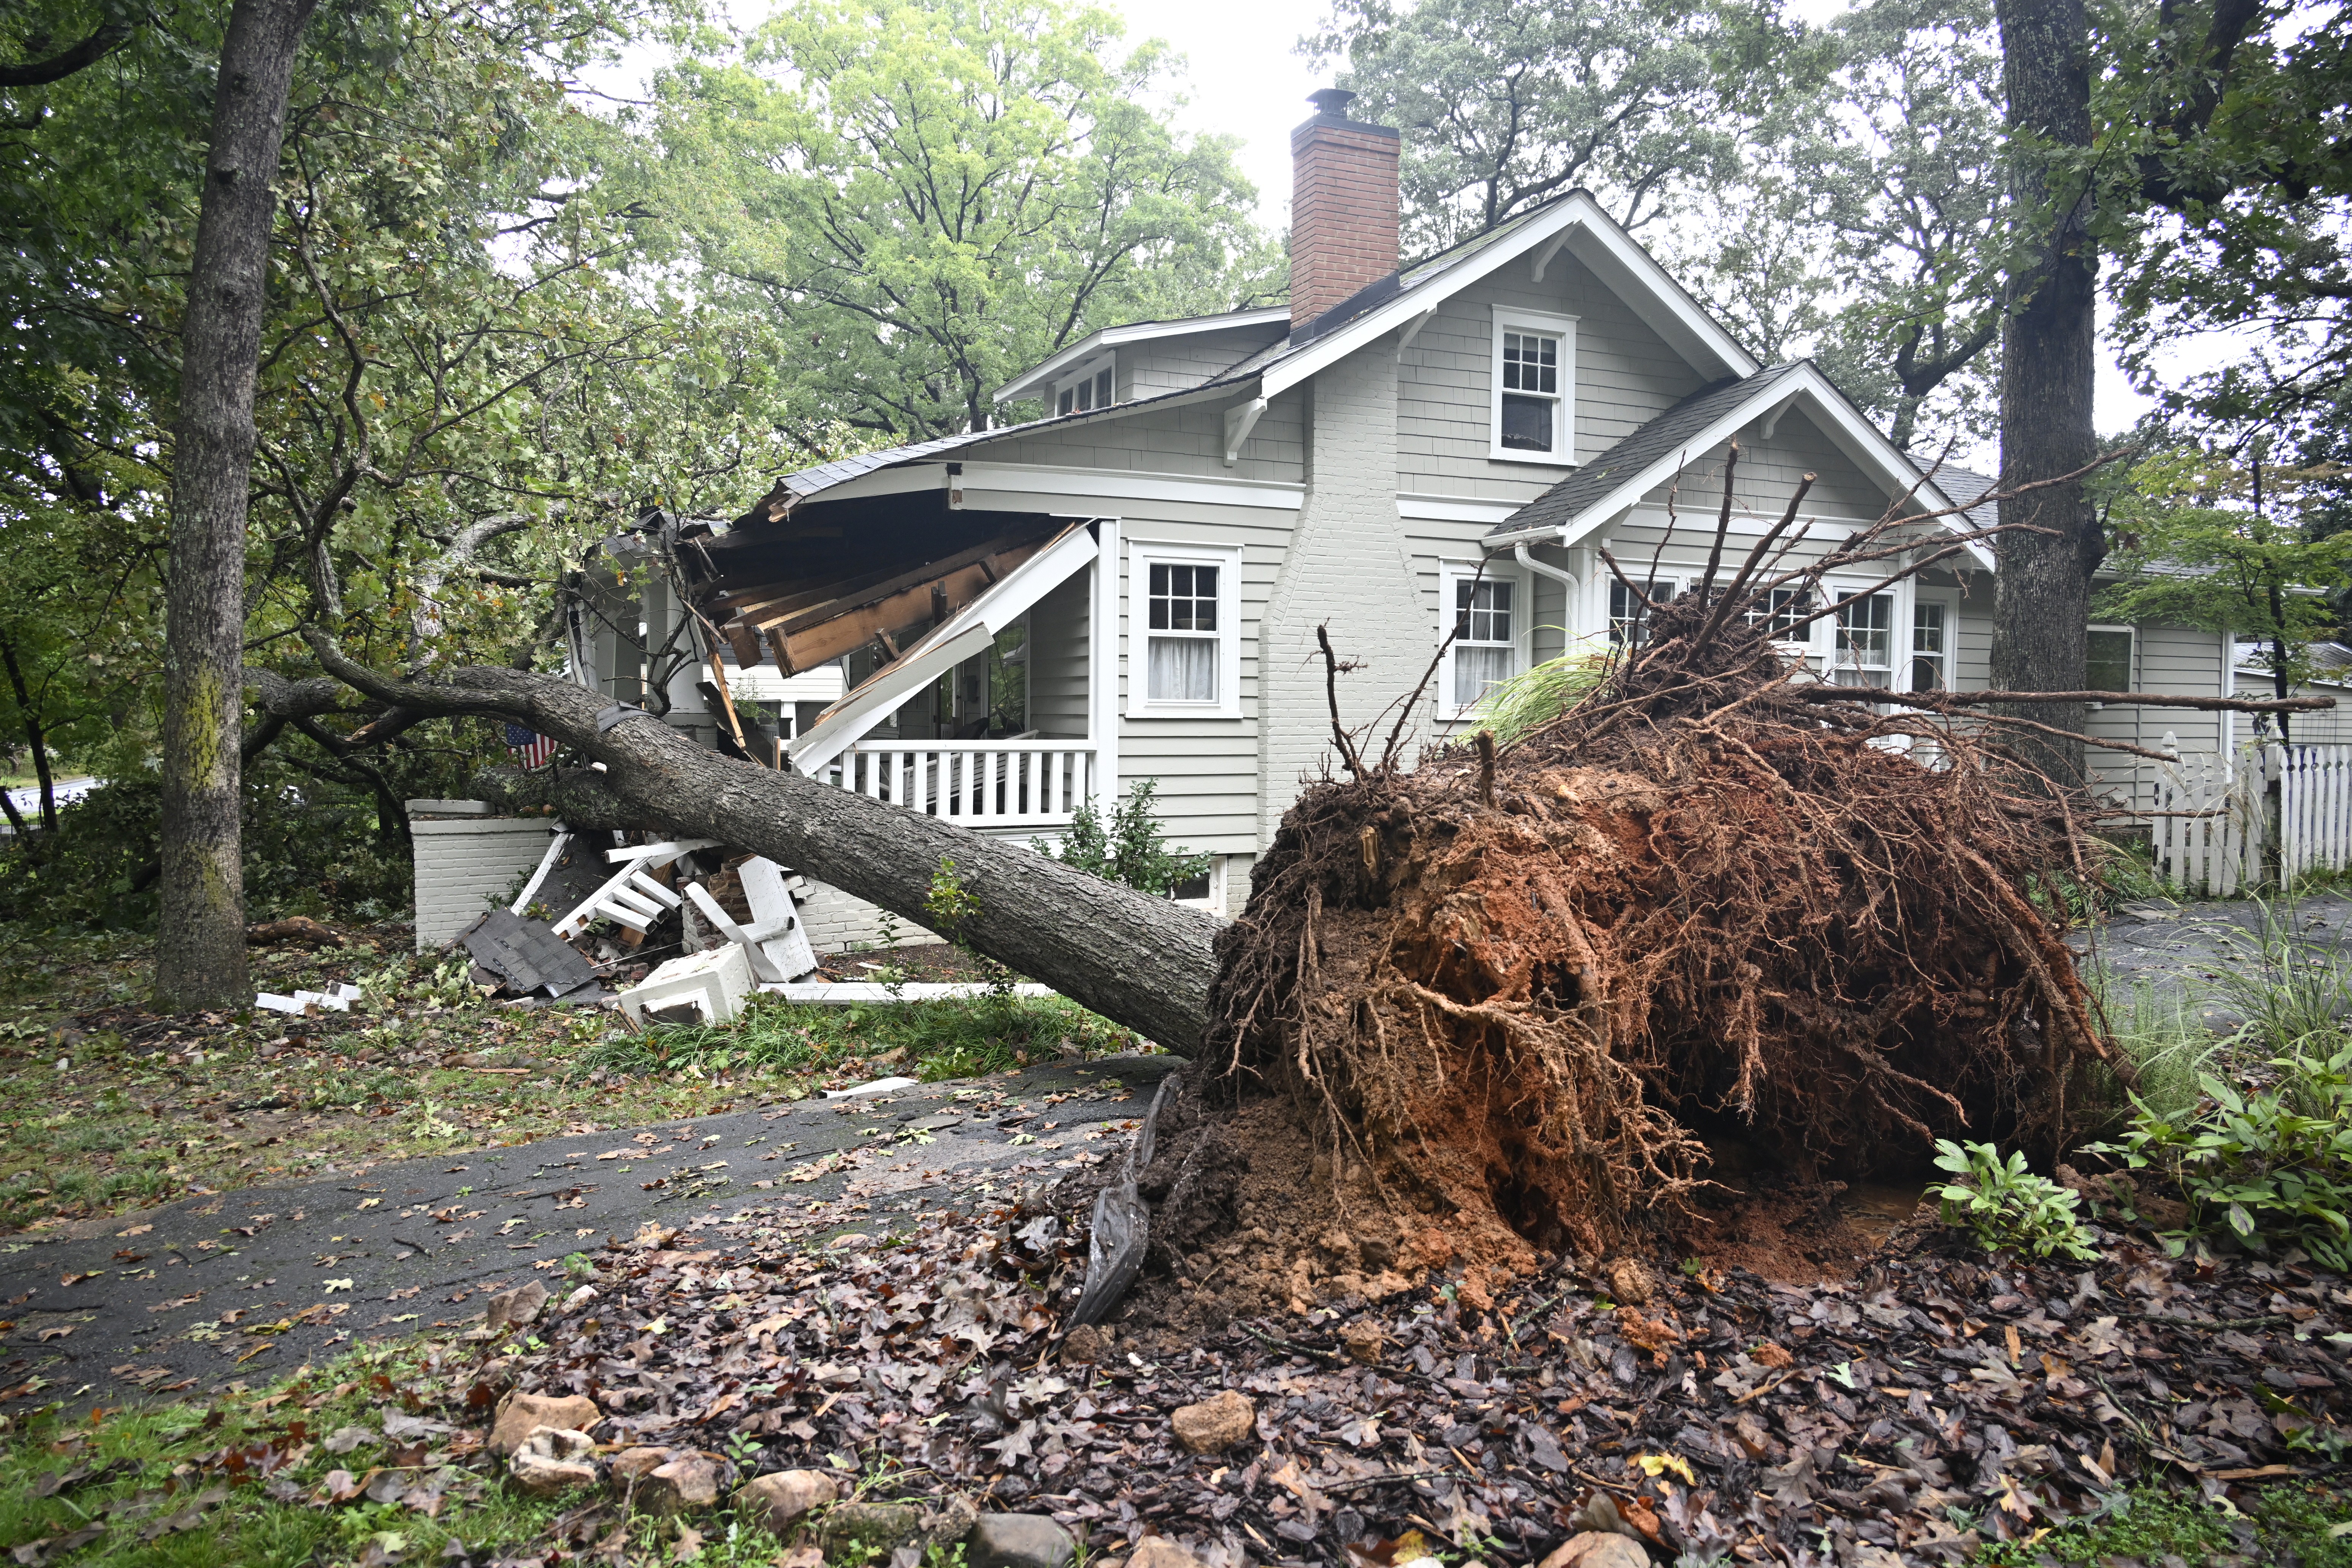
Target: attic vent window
(1534,381)
(1089,388)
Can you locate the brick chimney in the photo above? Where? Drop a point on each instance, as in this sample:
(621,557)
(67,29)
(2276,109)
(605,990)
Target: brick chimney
(1343,205)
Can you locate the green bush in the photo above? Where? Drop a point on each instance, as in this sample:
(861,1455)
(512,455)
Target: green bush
(2269,1167)
(2004,1205)
(1129,849)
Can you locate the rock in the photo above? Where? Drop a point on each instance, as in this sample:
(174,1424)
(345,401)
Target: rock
(781,1500)
(520,1414)
(877,1526)
(1159,1551)
(512,1309)
(1084,1345)
(636,1463)
(686,1484)
(947,1521)
(1599,1549)
(1629,1281)
(1018,1541)
(1214,1424)
(550,1459)
(1363,1342)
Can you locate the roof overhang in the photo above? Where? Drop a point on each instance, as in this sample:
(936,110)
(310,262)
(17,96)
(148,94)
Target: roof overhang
(1803,388)
(1577,223)
(965,635)
(1037,381)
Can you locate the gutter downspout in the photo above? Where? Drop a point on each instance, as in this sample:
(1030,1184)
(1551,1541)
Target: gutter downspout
(1565,579)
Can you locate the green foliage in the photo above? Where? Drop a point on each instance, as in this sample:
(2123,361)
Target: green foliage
(2290,986)
(2271,1167)
(2285,1524)
(2005,1204)
(2159,1034)
(952,908)
(1518,706)
(939,193)
(2193,550)
(1502,105)
(1130,849)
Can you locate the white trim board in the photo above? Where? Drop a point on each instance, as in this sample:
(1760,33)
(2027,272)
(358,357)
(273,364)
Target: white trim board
(1121,484)
(1836,418)
(1028,383)
(1590,235)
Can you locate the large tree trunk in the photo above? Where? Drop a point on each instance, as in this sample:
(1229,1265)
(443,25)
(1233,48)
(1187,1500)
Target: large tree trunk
(200,943)
(1137,959)
(2042,597)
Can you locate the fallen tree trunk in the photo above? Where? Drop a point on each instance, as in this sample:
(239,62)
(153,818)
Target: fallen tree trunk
(1139,961)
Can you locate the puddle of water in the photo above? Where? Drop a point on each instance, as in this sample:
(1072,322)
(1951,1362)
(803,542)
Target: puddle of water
(1875,1208)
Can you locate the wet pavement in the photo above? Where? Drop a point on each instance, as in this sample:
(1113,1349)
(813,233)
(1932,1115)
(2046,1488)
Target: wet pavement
(2192,951)
(249,1285)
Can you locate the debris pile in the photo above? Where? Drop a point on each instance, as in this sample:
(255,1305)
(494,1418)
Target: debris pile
(1940,1400)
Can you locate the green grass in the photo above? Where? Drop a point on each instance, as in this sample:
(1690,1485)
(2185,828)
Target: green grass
(2149,1524)
(191,1447)
(2163,1036)
(929,1040)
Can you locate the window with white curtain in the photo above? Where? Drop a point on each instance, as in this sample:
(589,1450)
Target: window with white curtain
(1182,611)
(1487,615)
(1183,643)
(1485,642)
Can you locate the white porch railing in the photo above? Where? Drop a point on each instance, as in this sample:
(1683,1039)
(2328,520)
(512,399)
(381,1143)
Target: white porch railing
(975,784)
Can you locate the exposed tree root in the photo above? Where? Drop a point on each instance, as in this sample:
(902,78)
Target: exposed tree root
(1516,992)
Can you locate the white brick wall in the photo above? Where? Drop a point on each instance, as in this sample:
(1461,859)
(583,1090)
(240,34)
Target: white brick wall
(461,863)
(836,921)
(1347,564)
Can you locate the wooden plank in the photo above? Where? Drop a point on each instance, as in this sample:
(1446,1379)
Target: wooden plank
(816,636)
(763,607)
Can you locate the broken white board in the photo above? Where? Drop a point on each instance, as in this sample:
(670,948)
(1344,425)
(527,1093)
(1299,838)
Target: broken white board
(878,1086)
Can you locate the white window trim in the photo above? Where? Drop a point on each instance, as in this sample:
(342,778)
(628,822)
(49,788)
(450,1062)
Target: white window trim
(1564,328)
(1603,580)
(1141,555)
(1450,572)
(1214,900)
(1086,372)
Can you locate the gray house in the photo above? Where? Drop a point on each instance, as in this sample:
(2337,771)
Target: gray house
(1127,584)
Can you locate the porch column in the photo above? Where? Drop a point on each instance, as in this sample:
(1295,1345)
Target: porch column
(1102,665)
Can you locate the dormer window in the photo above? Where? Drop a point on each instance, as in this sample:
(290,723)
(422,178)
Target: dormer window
(1088,387)
(1534,406)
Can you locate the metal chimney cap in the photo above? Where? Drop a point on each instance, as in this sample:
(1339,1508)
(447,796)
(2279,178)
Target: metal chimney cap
(1331,101)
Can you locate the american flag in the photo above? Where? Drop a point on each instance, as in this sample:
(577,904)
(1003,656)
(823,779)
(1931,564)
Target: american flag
(532,750)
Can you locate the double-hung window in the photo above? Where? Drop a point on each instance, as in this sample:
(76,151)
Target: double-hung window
(1864,649)
(1534,406)
(1486,639)
(1486,616)
(1183,647)
(1932,624)
(1089,388)
(2108,667)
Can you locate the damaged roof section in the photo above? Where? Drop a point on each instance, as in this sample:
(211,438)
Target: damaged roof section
(821,583)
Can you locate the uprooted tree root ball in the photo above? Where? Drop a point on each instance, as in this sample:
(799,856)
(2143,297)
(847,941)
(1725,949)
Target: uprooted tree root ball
(1510,996)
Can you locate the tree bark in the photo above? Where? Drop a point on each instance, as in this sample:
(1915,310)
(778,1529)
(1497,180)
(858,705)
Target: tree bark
(1139,961)
(2042,595)
(200,942)
(36,737)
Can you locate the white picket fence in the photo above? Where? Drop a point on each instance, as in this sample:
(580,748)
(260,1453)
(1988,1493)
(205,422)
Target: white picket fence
(2213,823)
